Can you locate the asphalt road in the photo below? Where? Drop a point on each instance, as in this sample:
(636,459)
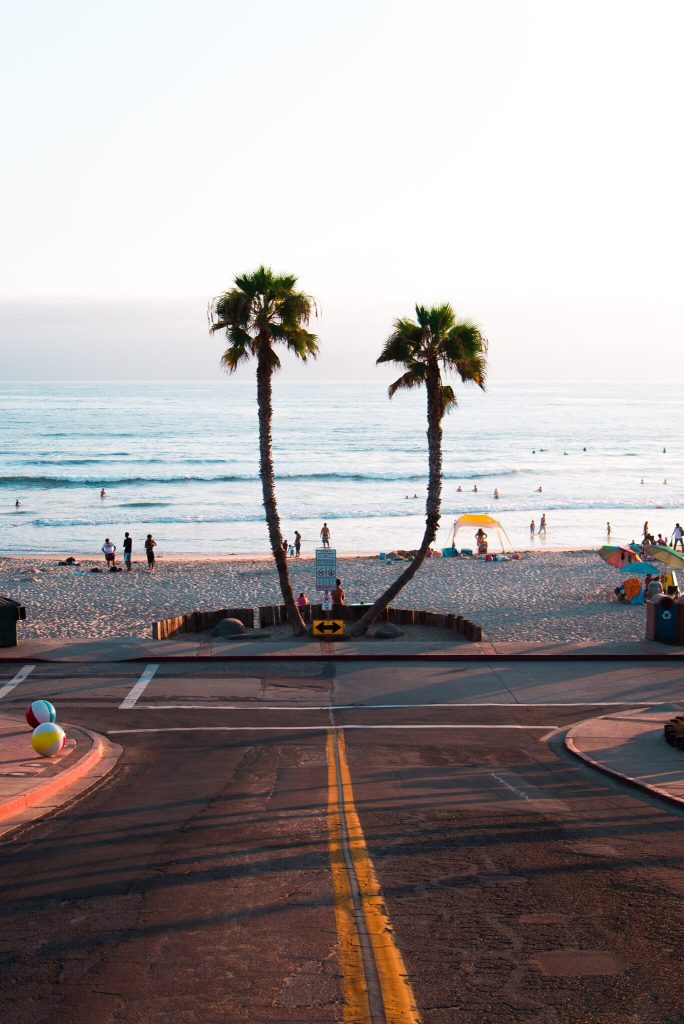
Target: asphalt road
(195,884)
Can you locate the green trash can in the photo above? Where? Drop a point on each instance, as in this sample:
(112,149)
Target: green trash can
(10,613)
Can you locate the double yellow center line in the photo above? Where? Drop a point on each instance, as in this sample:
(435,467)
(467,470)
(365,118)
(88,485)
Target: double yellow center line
(375,985)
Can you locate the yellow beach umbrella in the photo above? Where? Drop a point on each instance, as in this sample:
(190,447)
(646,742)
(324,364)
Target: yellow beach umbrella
(668,556)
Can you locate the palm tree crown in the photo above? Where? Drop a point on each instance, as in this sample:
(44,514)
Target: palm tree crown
(436,340)
(262,309)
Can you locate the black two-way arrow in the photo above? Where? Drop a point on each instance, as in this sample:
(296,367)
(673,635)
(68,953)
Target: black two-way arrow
(328,627)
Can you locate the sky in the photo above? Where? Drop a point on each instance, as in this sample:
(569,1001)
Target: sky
(521,160)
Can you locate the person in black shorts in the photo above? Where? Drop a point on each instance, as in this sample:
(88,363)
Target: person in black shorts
(150,545)
(128,551)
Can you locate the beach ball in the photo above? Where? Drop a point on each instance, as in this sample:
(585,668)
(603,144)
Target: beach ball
(40,711)
(48,739)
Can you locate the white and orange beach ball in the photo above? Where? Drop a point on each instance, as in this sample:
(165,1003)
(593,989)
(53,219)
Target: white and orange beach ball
(40,711)
(48,739)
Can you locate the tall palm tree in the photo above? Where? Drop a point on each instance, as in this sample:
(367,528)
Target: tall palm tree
(433,343)
(264,309)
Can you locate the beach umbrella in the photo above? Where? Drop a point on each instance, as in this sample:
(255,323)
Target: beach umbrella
(617,556)
(639,569)
(668,556)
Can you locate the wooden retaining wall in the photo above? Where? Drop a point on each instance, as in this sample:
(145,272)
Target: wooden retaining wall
(276,615)
(197,622)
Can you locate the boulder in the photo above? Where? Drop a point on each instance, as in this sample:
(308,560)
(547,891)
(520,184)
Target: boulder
(229,627)
(388,631)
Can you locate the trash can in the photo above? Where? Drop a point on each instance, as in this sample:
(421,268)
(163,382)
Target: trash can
(664,621)
(10,613)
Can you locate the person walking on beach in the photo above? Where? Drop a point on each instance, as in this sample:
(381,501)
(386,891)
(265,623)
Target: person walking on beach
(338,594)
(150,545)
(532,528)
(325,535)
(608,530)
(128,551)
(542,524)
(109,551)
(297,543)
(678,537)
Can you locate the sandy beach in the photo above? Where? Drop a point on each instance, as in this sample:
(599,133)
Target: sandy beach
(551,595)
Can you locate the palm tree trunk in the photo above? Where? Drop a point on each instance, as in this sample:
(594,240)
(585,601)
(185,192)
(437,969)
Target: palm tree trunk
(265,406)
(432,503)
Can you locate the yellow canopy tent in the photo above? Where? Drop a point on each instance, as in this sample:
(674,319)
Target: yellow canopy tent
(473,521)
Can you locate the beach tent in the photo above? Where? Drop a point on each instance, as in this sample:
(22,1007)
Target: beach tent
(473,522)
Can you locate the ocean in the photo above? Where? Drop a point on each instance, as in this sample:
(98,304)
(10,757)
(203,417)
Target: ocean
(180,461)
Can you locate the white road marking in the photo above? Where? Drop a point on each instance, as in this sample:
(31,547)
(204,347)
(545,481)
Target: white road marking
(255,706)
(312,728)
(139,688)
(18,678)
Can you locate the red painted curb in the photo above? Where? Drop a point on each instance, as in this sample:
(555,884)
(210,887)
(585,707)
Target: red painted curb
(662,794)
(41,792)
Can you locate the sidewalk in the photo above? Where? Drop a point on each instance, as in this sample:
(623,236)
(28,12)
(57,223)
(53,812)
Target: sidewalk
(630,745)
(31,785)
(112,649)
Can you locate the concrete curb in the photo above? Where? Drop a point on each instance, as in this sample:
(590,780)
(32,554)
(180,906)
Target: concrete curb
(482,656)
(572,747)
(45,791)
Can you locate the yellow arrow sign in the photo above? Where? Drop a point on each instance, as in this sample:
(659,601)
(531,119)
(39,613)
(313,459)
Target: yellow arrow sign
(328,627)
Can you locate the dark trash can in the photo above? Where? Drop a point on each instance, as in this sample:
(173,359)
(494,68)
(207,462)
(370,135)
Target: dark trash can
(665,619)
(10,613)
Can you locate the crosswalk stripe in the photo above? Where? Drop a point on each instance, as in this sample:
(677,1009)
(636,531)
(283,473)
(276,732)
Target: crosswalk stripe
(139,688)
(18,678)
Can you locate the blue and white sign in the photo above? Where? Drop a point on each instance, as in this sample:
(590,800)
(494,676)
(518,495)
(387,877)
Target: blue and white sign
(326,568)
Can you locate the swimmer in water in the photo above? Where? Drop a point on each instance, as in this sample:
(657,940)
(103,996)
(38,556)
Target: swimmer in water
(496,493)
(539,490)
(459,489)
(475,489)
(103,493)
(17,503)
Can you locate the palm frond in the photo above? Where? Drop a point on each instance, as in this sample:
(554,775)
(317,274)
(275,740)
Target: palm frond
(413,378)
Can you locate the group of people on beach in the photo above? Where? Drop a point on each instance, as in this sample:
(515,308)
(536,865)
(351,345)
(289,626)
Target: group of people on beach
(649,538)
(109,550)
(296,547)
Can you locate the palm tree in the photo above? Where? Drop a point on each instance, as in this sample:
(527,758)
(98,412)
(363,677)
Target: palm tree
(432,343)
(264,309)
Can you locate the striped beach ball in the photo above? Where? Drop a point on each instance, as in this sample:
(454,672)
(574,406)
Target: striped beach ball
(48,739)
(40,711)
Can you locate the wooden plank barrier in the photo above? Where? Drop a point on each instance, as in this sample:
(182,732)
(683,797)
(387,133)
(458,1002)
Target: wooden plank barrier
(275,615)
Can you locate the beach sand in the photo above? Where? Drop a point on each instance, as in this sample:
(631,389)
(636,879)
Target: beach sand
(547,596)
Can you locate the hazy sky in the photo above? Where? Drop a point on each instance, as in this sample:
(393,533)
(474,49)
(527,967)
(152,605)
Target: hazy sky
(522,160)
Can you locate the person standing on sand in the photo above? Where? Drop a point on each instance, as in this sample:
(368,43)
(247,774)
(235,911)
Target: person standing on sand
(338,594)
(325,535)
(646,530)
(532,528)
(542,524)
(150,545)
(127,550)
(297,543)
(678,537)
(109,551)
(608,530)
